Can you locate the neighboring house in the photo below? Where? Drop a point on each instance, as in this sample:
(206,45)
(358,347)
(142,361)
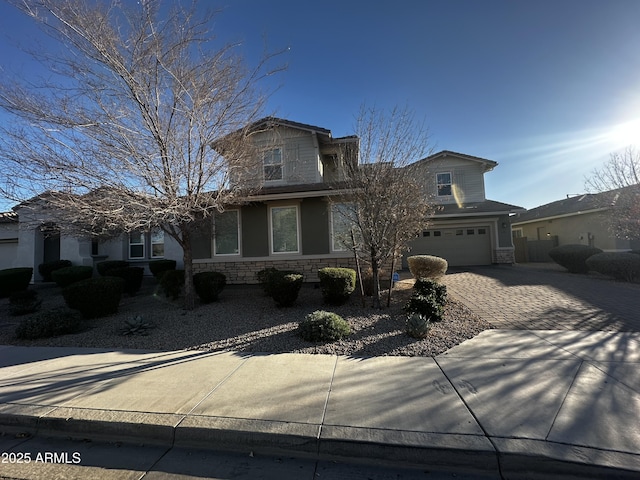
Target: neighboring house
(8,240)
(467,229)
(579,219)
(290,222)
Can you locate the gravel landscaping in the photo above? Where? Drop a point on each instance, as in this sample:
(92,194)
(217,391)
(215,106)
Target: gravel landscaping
(246,320)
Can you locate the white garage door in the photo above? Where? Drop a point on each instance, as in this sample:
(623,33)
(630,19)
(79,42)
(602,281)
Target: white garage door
(459,246)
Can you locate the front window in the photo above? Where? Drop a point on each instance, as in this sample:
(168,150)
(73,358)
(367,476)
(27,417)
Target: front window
(341,226)
(272,164)
(157,244)
(284,229)
(227,233)
(136,245)
(443,181)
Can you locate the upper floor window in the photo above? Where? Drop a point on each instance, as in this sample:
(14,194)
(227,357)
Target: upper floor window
(227,233)
(443,181)
(272,164)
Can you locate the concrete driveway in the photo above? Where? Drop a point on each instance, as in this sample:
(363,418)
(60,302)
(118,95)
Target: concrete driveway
(546,297)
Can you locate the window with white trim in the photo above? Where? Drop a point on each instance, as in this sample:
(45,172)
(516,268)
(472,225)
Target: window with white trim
(272,165)
(141,243)
(443,182)
(284,229)
(136,245)
(227,233)
(157,244)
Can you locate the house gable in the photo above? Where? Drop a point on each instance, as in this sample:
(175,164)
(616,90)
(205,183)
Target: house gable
(453,178)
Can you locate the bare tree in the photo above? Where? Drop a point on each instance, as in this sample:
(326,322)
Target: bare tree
(619,182)
(387,204)
(141,123)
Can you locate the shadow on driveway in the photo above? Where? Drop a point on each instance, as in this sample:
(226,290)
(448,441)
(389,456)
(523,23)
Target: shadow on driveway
(543,298)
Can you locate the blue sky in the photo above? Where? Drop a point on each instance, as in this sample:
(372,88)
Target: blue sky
(547,88)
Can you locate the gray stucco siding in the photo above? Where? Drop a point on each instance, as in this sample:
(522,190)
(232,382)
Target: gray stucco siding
(255,230)
(314,226)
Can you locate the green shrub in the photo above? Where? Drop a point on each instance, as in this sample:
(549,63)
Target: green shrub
(284,287)
(136,326)
(425,306)
(68,275)
(94,297)
(104,267)
(14,280)
(620,265)
(431,288)
(132,277)
(418,326)
(573,257)
(23,302)
(321,326)
(208,285)
(51,323)
(337,284)
(172,283)
(428,300)
(45,269)
(427,266)
(264,277)
(158,267)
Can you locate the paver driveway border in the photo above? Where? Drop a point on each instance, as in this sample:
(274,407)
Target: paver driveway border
(546,297)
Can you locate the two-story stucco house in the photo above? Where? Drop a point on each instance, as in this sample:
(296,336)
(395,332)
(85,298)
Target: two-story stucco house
(290,222)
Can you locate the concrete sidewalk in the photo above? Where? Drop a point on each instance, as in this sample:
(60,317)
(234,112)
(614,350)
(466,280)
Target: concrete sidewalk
(508,404)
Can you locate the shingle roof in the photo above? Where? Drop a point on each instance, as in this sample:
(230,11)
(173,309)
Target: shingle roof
(577,205)
(476,208)
(289,123)
(8,217)
(489,164)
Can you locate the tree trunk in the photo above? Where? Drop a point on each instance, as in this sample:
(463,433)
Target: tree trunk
(375,271)
(189,291)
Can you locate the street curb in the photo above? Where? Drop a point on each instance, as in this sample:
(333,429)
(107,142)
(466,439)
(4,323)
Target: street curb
(514,458)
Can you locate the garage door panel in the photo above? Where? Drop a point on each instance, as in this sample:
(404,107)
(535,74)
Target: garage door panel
(459,246)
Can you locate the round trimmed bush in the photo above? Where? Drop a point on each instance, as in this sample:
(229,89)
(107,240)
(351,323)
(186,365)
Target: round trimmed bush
(68,275)
(94,297)
(14,280)
(158,267)
(337,284)
(51,323)
(208,285)
(322,326)
(427,266)
(284,287)
(45,269)
(619,265)
(132,277)
(573,257)
(104,267)
(264,276)
(172,283)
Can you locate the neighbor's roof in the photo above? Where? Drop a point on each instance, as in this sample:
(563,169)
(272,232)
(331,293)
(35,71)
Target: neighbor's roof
(575,205)
(488,207)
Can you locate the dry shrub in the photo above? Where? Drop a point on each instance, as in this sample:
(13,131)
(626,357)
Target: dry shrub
(427,266)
